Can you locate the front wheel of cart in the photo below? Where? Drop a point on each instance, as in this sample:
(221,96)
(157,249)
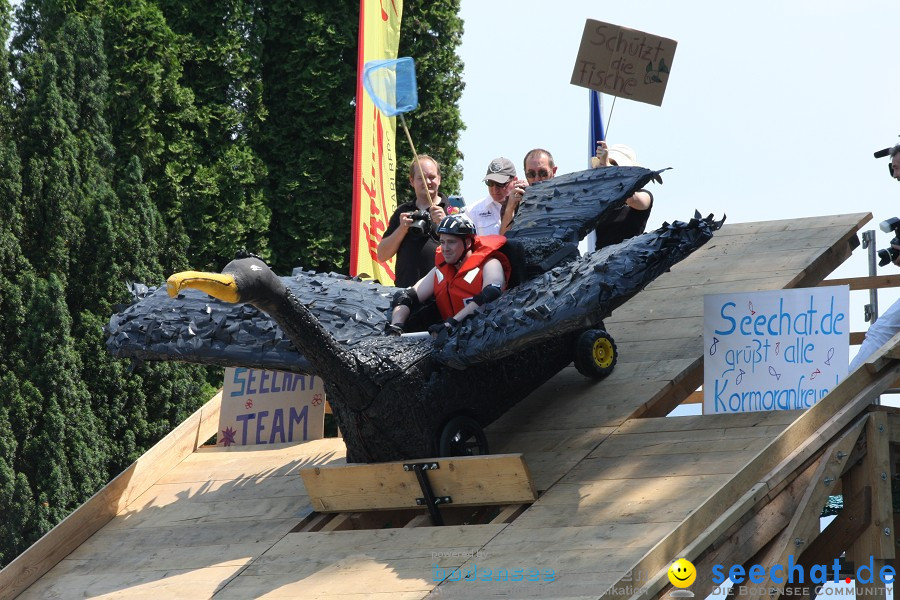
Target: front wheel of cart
(595,354)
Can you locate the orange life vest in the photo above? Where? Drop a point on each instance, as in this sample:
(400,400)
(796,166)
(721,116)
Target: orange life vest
(454,288)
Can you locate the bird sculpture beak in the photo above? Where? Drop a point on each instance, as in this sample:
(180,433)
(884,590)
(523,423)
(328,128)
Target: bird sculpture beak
(218,285)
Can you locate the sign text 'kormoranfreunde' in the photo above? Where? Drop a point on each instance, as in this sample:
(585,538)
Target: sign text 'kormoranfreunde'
(624,62)
(270,407)
(774,350)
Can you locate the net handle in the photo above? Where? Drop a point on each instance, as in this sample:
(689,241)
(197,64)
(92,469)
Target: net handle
(416,155)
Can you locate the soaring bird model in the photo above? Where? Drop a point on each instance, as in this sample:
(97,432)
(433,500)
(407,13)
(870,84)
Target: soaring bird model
(398,398)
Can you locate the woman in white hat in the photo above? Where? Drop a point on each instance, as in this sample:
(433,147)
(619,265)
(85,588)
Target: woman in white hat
(631,219)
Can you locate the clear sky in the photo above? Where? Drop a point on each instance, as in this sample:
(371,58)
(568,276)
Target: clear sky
(772,111)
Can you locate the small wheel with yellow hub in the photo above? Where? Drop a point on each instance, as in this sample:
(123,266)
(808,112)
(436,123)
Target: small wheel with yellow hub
(595,354)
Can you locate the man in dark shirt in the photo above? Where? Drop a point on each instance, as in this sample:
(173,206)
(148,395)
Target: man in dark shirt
(414,250)
(631,218)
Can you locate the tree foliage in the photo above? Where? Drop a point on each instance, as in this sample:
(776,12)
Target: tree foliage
(141,137)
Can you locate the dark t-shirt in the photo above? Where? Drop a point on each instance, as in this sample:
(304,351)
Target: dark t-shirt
(621,224)
(415,257)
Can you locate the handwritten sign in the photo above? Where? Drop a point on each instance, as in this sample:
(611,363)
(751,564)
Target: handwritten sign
(778,350)
(270,407)
(624,62)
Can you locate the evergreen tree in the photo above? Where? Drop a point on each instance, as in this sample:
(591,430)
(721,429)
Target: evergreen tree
(226,208)
(306,141)
(155,126)
(141,137)
(431,33)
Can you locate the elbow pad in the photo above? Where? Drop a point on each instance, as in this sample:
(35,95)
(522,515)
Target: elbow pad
(406,297)
(488,294)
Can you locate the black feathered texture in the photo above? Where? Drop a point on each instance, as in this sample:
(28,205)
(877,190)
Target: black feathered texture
(391,395)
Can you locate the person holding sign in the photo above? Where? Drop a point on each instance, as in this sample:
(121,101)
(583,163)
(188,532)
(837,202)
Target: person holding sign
(469,271)
(410,232)
(631,219)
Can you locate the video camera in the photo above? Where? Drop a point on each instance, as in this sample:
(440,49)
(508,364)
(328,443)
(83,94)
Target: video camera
(889,254)
(887,152)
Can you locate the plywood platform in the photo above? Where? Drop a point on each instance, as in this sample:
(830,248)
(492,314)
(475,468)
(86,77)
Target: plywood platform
(616,477)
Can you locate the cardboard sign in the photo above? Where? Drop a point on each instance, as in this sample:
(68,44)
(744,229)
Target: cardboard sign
(624,62)
(778,350)
(270,407)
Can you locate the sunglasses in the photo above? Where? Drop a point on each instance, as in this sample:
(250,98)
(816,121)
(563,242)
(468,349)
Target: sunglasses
(541,173)
(492,183)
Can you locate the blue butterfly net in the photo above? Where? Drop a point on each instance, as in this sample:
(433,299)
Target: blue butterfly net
(392,85)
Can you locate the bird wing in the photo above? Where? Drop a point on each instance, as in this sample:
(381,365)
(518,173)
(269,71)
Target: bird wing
(571,297)
(569,206)
(194,327)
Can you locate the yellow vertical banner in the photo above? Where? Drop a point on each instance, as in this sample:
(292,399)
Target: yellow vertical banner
(374,151)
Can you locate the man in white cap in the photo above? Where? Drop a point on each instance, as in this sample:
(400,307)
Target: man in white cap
(488,213)
(631,219)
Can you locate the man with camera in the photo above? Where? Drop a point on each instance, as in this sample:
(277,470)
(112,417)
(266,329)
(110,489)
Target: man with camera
(410,232)
(888,324)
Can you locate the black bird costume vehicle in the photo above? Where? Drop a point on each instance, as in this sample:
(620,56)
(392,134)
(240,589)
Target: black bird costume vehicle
(398,398)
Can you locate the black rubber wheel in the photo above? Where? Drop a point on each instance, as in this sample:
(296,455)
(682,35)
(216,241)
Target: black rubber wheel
(462,436)
(595,354)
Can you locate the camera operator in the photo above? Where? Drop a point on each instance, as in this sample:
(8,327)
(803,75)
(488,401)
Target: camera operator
(895,162)
(888,324)
(415,247)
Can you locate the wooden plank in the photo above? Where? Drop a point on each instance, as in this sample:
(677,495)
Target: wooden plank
(87,519)
(508,514)
(865,283)
(470,480)
(752,532)
(874,471)
(804,525)
(849,524)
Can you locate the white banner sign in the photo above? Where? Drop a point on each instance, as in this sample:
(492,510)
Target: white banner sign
(778,350)
(270,407)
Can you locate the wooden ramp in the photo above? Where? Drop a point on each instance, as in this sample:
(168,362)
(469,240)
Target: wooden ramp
(623,490)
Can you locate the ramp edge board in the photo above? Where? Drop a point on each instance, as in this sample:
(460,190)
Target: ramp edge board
(100,508)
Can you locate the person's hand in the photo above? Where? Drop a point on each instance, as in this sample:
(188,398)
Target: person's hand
(393,329)
(405,220)
(602,157)
(448,325)
(437,213)
(896,261)
(518,191)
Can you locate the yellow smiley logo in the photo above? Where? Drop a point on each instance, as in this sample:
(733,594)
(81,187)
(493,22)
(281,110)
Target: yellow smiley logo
(682,573)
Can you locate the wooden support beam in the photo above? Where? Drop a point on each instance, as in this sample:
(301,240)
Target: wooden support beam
(509,513)
(762,523)
(804,525)
(877,541)
(423,520)
(341,522)
(314,522)
(846,527)
(865,283)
